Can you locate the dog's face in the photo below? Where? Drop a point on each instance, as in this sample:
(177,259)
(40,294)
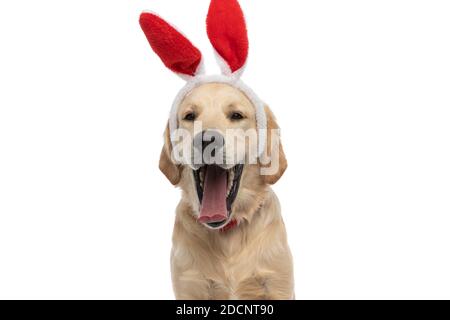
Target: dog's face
(215,159)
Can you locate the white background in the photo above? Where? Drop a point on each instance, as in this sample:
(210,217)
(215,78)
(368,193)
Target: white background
(360,88)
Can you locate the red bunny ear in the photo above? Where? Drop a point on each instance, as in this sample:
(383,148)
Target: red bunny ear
(228,33)
(174,49)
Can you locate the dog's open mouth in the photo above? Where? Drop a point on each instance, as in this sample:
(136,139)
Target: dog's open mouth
(217,189)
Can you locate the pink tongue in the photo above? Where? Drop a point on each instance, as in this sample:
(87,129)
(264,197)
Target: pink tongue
(214,204)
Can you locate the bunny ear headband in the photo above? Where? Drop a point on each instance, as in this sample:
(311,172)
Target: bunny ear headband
(227,33)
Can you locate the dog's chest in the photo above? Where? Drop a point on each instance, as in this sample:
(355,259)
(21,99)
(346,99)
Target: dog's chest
(238,275)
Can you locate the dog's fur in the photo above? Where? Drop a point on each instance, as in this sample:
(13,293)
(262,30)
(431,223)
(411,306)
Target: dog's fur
(251,261)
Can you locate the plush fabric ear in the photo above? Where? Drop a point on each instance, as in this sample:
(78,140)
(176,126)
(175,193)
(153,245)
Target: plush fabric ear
(228,34)
(174,49)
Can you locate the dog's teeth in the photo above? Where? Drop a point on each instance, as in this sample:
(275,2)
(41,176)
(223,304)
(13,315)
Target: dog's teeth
(201,175)
(230,181)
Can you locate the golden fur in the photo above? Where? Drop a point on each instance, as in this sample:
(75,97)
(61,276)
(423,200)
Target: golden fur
(252,261)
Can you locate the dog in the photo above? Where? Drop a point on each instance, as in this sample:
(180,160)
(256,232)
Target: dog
(252,260)
(222,148)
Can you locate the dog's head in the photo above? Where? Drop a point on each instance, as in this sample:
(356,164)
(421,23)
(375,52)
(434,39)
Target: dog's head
(215,160)
(222,144)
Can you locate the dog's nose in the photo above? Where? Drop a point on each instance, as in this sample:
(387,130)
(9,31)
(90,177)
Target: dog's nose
(209,143)
(209,138)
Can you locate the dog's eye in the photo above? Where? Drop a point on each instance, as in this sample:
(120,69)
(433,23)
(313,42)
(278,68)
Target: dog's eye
(236,116)
(190,117)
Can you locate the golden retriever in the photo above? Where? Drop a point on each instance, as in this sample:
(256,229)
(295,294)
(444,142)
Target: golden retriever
(243,255)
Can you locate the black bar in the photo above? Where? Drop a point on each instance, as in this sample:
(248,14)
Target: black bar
(226,309)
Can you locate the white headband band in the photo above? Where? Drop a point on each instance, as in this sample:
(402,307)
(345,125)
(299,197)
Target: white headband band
(261,119)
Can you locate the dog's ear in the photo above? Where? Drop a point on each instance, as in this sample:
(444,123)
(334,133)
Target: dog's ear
(166,165)
(274,163)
